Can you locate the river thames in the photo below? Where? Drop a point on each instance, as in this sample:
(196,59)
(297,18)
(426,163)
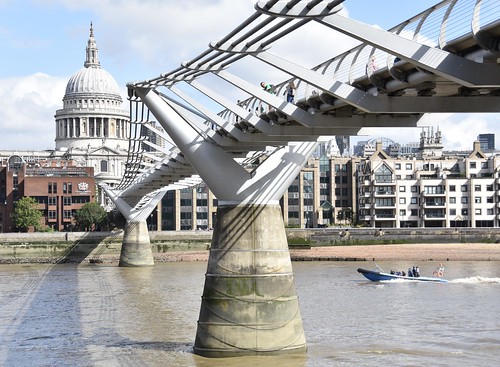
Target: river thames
(103,315)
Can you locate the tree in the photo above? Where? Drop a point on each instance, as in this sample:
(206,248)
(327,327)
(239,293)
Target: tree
(90,216)
(26,214)
(345,215)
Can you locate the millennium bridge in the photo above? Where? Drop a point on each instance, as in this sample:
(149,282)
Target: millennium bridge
(248,151)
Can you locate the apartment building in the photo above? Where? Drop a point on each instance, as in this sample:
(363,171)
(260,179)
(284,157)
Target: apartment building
(428,189)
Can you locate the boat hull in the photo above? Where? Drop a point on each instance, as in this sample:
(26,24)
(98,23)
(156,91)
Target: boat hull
(377,276)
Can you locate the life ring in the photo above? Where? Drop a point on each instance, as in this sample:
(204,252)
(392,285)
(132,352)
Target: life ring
(438,273)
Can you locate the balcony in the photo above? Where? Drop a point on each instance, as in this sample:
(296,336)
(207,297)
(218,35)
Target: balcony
(385,193)
(384,183)
(434,217)
(385,217)
(435,204)
(434,194)
(385,206)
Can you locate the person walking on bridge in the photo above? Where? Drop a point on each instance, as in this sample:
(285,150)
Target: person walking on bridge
(290,92)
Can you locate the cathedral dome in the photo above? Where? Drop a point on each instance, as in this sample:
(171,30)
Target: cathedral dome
(92,117)
(92,80)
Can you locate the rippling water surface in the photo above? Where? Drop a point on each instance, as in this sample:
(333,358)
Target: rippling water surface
(102,315)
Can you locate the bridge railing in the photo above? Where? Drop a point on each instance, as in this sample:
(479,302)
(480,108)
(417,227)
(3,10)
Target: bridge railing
(445,25)
(453,25)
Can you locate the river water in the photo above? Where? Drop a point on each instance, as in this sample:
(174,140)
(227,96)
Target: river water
(103,315)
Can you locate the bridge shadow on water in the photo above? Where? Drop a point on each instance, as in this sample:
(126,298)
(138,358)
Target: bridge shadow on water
(41,312)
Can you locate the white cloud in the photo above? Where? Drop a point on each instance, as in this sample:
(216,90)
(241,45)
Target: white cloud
(143,38)
(28,105)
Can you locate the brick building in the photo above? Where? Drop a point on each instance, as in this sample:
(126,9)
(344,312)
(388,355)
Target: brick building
(59,186)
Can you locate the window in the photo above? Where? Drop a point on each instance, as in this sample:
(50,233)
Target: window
(472,165)
(384,202)
(186,202)
(453,200)
(453,211)
(66,200)
(52,200)
(465,212)
(413,200)
(383,174)
(402,212)
(414,212)
(463,188)
(397,166)
(478,211)
(484,164)
(402,200)
(67,214)
(489,187)
(477,199)
(52,187)
(477,187)
(402,188)
(489,211)
(464,200)
(434,189)
(52,214)
(452,188)
(104,166)
(408,166)
(414,188)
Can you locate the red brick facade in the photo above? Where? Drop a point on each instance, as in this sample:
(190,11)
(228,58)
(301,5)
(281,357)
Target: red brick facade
(59,187)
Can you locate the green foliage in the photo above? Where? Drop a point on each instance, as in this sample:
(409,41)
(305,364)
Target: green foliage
(90,216)
(26,214)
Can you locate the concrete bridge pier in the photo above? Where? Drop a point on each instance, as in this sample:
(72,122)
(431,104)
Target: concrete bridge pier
(249,303)
(136,246)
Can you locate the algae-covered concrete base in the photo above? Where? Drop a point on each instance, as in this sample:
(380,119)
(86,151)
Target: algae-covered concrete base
(249,304)
(136,246)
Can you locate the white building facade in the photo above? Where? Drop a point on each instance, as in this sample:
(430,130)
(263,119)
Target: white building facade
(429,191)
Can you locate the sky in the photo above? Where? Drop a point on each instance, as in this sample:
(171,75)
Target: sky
(43,44)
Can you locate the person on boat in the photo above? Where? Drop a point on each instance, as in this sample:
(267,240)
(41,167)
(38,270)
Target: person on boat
(410,272)
(416,271)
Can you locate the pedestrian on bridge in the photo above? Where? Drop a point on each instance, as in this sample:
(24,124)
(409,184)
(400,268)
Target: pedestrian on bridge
(268,87)
(290,92)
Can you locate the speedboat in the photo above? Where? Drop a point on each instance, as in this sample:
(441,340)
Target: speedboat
(377,276)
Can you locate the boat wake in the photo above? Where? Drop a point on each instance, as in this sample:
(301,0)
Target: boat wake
(475,280)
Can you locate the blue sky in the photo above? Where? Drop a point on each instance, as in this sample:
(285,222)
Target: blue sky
(43,45)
